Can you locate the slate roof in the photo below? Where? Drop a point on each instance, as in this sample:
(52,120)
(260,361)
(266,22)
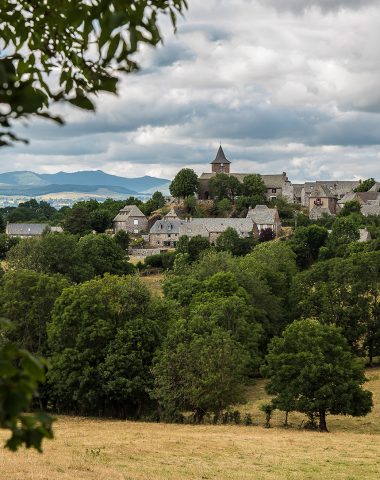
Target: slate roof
(321,190)
(363,197)
(220,157)
(375,188)
(128,211)
(338,188)
(370,210)
(205,226)
(26,229)
(263,215)
(166,226)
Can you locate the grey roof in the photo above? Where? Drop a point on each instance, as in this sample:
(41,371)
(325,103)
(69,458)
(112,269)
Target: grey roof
(370,210)
(166,226)
(205,226)
(263,215)
(363,197)
(336,187)
(26,229)
(127,212)
(321,190)
(375,188)
(220,157)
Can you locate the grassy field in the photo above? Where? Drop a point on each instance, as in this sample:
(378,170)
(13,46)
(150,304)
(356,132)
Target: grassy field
(88,449)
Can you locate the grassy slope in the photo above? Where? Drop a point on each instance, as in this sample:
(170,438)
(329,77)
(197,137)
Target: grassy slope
(100,449)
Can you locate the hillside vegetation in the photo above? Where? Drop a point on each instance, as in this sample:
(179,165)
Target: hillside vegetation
(89,449)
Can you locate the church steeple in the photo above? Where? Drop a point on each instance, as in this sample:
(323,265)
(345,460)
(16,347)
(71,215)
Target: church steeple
(220,164)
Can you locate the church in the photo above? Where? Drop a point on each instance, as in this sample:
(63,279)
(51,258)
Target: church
(277,185)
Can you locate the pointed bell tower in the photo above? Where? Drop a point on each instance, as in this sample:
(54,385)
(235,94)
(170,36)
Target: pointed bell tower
(220,164)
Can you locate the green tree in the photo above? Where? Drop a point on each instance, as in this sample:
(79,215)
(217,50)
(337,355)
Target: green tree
(122,239)
(254,186)
(51,253)
(196,246)
(103,335)
(350,207)
(201,372)
(223,207)
(230,241)
(100,220)
(224,186)
(155,203)
(27,299)
(103,254)
(307,242)
(311,364)
(365,185)
(184,184)
(344,231)
(344,292)
(78,221)
(92,42)
(6,243)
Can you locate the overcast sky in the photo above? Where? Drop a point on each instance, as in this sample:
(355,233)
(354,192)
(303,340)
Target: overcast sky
(285,85)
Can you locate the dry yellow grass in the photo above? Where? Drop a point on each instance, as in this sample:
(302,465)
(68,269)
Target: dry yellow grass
(88,449)
(154,283)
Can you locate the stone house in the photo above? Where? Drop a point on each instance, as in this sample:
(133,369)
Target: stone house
(277,185)
(336,188)
(131,220)
(165,232)
(322,201)
(27,230)
(265,217)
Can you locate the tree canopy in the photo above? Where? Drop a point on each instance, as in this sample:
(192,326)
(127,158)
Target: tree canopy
(184,184)
(311,370)
(87,43)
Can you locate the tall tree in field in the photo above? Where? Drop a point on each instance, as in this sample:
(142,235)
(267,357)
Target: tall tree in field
(184,184)
(311,369)
(86,43)
(199,371)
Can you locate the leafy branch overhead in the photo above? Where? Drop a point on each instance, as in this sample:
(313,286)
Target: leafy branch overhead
(69,50)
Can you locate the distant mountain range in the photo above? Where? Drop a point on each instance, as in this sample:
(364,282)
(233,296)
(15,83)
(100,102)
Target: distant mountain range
(95,182)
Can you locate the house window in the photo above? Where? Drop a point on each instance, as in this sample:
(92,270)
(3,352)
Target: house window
(274,190)
(169,235)
(135,231)
(135,222)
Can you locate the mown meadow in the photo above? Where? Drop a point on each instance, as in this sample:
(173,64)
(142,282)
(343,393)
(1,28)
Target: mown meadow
(98,449)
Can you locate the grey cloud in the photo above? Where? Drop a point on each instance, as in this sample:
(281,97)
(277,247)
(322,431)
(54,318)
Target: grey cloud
(325,5)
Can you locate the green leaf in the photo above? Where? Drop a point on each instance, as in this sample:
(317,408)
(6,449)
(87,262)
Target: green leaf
(82,102)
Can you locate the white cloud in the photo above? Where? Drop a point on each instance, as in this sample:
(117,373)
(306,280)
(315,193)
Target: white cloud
(285,85)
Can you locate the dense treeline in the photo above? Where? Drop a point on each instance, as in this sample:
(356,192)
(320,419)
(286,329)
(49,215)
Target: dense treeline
(303,311)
